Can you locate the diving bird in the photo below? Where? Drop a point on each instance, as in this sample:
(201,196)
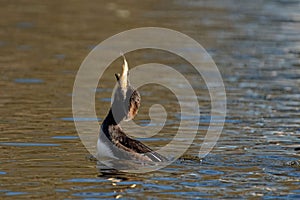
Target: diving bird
(113,142)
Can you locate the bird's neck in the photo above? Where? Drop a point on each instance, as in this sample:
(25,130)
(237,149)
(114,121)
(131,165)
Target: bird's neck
(109,121)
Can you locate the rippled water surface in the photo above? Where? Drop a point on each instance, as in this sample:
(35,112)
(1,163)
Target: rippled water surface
(256,46)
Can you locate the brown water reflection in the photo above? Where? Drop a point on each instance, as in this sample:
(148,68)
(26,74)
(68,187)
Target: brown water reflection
(256,46)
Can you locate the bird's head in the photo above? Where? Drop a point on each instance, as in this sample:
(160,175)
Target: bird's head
(126,100)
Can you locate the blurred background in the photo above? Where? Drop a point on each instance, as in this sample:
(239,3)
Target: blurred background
(255,44)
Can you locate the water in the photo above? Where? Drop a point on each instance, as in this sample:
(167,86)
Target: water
(256,46)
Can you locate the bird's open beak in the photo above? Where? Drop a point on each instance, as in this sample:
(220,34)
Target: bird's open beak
(124,76)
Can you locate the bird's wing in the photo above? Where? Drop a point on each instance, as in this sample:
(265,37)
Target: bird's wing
(136,148)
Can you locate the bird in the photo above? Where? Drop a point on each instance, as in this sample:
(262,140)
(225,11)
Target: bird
(113,142)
